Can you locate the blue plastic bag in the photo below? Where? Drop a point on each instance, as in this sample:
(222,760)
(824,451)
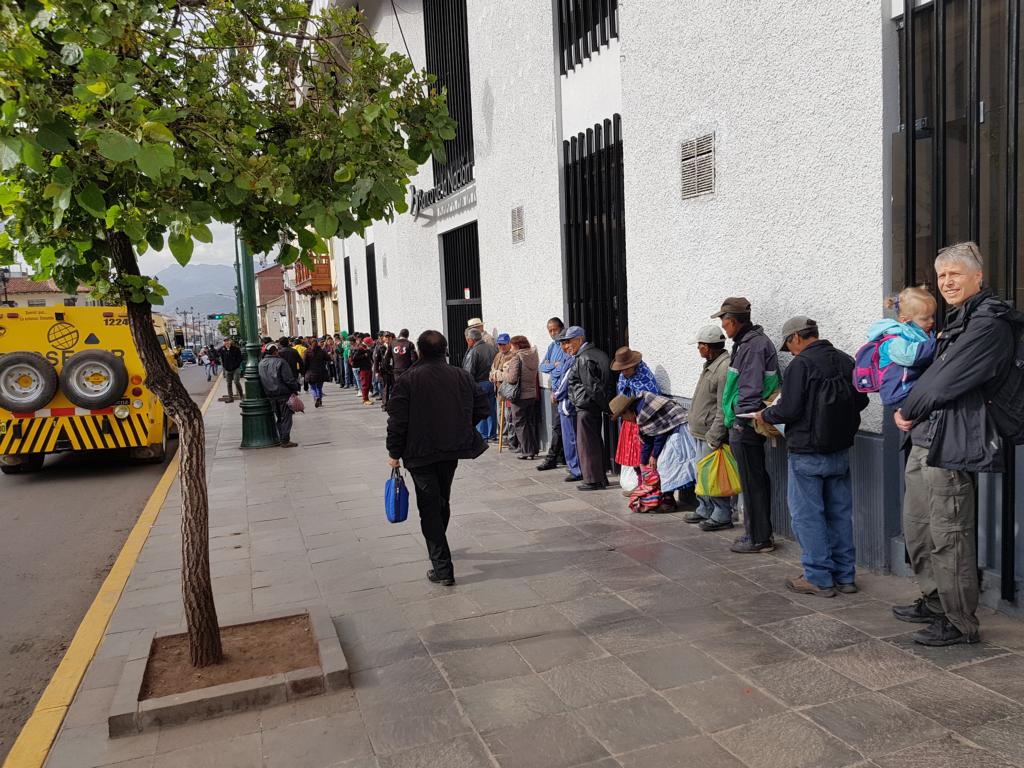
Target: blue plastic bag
(396,497)
(677,463)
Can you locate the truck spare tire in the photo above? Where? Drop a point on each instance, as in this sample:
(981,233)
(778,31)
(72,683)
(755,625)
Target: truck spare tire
(94,379)
(27,381)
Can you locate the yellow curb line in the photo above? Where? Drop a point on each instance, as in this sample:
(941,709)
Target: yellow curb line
(33,744)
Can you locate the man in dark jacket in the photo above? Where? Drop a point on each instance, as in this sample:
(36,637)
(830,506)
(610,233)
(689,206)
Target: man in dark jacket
(477,364)
(821,412)
(953,436)
(590,385)
(403,353)
(291,356)
(231,359)
(279,383)
(430,427)
(753,376)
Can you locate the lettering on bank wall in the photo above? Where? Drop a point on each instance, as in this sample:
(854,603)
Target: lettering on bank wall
(456,176)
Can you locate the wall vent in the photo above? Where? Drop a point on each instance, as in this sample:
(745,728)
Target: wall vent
(698,164)
(384,264)
(518,225)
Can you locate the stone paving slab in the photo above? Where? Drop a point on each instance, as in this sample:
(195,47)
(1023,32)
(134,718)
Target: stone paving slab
(578,634)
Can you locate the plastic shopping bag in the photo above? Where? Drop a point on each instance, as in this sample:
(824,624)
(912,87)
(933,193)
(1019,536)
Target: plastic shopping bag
(718,474)
(678,460)
(629,479)
(396,497)
(295,403)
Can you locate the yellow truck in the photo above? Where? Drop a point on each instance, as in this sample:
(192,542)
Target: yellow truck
(72,380)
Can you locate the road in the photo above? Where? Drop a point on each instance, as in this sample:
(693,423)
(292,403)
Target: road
(62,529)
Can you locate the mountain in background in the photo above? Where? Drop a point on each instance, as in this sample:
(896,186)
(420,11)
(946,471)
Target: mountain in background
(197,285)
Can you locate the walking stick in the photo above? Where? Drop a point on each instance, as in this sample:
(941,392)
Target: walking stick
(501,423)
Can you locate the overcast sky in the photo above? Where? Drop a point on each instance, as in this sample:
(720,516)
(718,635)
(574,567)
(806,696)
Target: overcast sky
(220,251)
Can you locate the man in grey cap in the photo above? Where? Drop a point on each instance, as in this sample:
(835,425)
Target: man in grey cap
(707,423)
(821,412)
(753,376)
(589,385)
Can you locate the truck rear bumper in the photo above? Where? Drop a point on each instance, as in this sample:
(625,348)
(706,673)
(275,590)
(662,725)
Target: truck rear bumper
(71,433)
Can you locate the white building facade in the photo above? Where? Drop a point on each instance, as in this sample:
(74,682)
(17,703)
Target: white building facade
(627,164)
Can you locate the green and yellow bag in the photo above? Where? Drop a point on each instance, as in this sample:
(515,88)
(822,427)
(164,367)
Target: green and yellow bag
(718,474)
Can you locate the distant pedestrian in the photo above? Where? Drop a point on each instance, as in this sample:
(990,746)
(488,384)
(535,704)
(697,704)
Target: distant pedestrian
(477,363)
(821,411)
(348,376)
(386,368)
(431,419)
(521,370)
(476,323)
(554,365)
(231,357)
(590,387)
(361,359)
(403,353)
(505,355)
(315,364)
(290,355)
(753,376)
(279,383)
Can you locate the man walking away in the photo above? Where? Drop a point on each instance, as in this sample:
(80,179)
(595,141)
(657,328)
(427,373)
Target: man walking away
(753,376)
(291,356)
(554,366)
(279,383)
(430,427)
(707,423)
(477,363)
(403,353)
(590,385)
(821,411)
(951,415)
(231,359)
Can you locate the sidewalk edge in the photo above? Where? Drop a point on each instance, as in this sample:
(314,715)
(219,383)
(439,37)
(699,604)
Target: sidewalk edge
(33,744)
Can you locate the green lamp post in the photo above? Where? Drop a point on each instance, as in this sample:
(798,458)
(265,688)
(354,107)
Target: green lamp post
(258,425)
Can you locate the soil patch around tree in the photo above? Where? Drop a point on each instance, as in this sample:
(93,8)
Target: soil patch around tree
(250,650)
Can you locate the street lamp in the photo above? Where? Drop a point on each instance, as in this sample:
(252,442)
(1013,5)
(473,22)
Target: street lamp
(258,429)
(5,277)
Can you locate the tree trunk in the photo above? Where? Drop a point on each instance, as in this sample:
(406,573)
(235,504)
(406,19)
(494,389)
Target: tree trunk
(196,586)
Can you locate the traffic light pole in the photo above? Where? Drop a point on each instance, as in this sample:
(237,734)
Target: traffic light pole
(259,428)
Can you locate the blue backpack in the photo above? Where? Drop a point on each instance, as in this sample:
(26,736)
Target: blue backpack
(396,497)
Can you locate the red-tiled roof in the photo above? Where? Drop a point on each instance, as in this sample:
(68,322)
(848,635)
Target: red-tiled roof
(28,285)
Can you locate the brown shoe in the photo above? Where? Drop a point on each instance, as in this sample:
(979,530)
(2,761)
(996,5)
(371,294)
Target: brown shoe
(802,586)
(288,444)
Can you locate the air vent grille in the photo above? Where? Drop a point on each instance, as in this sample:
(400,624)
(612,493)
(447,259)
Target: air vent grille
(698,166)
(518,225)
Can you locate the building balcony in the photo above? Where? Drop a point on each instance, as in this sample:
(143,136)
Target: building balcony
(315,280)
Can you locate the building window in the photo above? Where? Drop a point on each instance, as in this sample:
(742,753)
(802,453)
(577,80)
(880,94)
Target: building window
(73,302)
(583,27)
(37,302)
(447,46)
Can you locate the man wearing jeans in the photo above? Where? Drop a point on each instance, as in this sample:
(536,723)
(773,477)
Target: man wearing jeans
(477,364)
(707,423)
(821,412)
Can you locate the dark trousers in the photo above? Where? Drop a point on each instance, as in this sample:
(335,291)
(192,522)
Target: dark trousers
(387,382)
(524,419)
(555,450)
(433,492)
(283,416)
(590,446)
(748,448)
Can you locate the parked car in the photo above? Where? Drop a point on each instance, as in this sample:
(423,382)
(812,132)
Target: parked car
(188,357)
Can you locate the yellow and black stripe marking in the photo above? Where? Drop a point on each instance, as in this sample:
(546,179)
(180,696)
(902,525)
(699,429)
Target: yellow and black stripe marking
(77,433)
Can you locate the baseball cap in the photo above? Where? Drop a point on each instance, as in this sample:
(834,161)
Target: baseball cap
(572,332)
(503,338)
(795,325)
(709,334)
(734,305)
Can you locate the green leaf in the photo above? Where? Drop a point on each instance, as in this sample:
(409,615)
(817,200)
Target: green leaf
(32,155)
(202,233)
(234,194)
(116,146)
(370,112)
(91,200)
(83,93)
(156,240)
(63,200)
(447,133)
(157,132)
(306,238)
(111,217)
(288,255)
(181,248)
(124,92)
(153,159)
(326,224)
(10,152)
(52,137)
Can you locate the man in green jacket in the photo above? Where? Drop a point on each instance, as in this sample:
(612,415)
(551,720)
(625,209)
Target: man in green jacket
(707,423)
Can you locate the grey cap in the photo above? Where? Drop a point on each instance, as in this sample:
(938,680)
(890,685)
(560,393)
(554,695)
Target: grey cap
(709,334)
(795,325)
(572,332)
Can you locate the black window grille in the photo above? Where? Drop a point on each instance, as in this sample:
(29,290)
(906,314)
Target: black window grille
(460,259)
(371,288)
(349,311)
(583,27)
(447,47)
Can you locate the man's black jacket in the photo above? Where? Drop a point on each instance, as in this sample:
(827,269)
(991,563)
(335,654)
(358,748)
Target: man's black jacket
(231,358)
(432,412)
(291,356)
(796,405)
(975,350)
(590,383)
(478,359)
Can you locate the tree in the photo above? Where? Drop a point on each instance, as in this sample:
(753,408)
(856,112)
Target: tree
(131,124)
(225,323)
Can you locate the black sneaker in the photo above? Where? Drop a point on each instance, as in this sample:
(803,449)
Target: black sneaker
(941,632)
(571,478)
(448,582)
(591,486)
(547,464)
(714,525)
(745,546)
(915,613)
(693,518)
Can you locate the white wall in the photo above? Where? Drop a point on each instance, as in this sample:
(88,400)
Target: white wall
(592,92)
(795,98)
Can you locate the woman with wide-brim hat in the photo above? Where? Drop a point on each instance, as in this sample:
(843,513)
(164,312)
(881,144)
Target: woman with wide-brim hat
(635,378)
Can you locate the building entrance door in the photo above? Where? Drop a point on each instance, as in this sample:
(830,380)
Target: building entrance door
(460,259)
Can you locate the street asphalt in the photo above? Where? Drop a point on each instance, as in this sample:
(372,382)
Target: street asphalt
(62,529)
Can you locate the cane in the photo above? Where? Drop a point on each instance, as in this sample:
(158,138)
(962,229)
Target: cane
(501,423)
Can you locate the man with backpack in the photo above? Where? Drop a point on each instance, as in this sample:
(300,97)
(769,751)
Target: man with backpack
(970,398)
(821,412)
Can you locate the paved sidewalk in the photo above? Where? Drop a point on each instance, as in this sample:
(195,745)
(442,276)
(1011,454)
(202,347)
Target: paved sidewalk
(578,634)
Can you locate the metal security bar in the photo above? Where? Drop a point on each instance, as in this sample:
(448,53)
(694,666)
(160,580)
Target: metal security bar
(447,47)
(371,288)
(583,27)
(460,271)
